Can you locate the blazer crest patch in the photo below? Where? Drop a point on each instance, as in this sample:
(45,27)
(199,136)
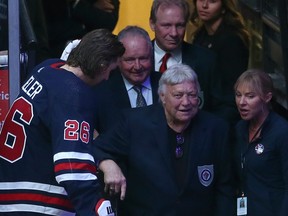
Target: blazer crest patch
(206,174)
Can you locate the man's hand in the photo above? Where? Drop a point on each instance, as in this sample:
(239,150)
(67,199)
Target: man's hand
(115,181)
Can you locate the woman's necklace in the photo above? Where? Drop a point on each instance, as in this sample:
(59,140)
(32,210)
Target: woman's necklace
(254,133)
(207,40)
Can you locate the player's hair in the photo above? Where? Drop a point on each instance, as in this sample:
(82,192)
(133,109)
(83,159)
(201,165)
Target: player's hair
(95,52)
(183,4)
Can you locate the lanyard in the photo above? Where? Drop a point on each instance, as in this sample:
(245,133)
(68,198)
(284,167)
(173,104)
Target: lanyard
(243,158)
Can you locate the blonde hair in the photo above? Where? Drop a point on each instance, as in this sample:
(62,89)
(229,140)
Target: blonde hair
(258,80)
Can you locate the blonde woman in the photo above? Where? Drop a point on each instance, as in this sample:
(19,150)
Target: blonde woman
(261,147)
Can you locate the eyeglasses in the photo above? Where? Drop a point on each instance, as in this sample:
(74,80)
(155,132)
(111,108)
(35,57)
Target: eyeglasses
(179,148)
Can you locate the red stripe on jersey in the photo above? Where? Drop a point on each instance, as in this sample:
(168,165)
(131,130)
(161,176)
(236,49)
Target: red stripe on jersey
(99,203)
(57,65)
(22,197)
(75,166)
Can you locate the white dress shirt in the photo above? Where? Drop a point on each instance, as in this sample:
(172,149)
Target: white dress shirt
(146,92)
(176,57)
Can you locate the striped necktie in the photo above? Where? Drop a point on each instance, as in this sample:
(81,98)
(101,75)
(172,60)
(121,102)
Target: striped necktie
(140,101)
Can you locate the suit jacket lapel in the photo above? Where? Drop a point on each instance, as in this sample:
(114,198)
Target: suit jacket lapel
(198,133)
(188,56)
(153,60)
(120,93)
(154,79)
(161,136)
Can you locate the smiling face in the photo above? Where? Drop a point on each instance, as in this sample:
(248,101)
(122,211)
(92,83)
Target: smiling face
(180,103)
(250,104)
(209,10)
(136,63)
(169,27)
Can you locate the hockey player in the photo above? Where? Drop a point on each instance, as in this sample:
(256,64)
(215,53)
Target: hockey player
(46,166)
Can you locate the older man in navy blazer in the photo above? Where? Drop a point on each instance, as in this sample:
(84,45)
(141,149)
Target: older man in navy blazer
(177,156)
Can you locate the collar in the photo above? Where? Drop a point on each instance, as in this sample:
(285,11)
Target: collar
(159,53)
(146,84)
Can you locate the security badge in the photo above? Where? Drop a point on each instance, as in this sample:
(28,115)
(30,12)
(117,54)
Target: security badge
(206,174)
(259,148)
(241,206)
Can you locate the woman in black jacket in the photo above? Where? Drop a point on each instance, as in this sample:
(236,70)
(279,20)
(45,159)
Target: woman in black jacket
(220,27)
(261,148)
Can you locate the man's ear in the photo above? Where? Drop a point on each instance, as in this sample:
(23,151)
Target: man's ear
(152,25)
(162,98)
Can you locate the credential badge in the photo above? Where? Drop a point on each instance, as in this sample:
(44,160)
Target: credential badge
(206,174)
(259,148)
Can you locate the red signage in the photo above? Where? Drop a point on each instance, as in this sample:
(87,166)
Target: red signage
(4,94)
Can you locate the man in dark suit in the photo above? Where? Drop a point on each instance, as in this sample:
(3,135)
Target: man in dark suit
(177,156)
(168,20)
(135,67)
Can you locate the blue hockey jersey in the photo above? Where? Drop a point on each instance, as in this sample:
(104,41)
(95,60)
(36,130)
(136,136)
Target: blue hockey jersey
(45,163)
